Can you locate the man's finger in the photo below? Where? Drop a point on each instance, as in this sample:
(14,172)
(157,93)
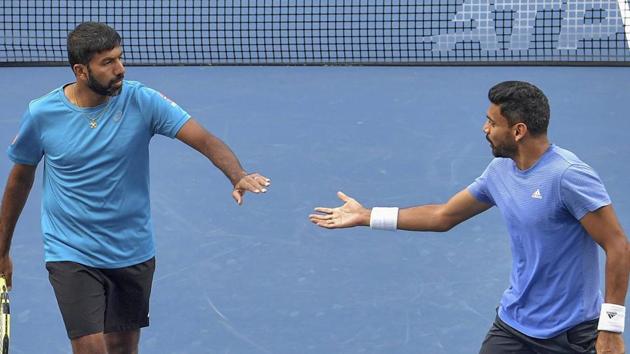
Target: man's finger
(257,179)
(263,180)
(9,280)
(343,196)
(324,210)
(248,186)
(251,185)
(238,196)
(320,216)
(321,224)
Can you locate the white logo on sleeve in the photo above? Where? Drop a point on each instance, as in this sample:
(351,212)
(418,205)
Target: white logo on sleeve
(536,194)
(168,100)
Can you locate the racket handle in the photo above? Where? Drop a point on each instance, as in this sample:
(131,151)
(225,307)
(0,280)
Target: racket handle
(5,344)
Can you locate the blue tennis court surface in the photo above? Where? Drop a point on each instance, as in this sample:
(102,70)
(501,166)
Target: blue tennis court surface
(260,278)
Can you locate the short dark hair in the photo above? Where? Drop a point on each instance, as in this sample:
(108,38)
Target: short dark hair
(88,39)
(522,102)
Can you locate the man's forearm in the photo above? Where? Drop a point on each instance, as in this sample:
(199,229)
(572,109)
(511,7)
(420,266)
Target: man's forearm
(193,134)
(224,159)
(617,273)
(420,218)
(15,195)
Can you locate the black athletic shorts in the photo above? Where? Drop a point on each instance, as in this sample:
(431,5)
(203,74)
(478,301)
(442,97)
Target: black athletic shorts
(94,300)
(503,339)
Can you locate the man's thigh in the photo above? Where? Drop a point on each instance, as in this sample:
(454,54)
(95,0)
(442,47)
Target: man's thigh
(95,300)
(128,293)
(504,339)
(500,341)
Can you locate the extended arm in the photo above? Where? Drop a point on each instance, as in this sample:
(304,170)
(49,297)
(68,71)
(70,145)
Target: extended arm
(435,217)
(16,193)
(605,229)
(194,135)
(441,217)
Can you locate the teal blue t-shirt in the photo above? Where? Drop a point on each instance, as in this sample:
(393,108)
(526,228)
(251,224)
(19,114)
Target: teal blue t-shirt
(554,284)
(95,203)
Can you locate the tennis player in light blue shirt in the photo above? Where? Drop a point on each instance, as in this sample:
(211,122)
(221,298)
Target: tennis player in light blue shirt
(557,212)
(92,138)
(554,283)
(95,205)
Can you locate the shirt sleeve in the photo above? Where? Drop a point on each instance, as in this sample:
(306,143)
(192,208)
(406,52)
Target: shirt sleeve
(582,191)
(166,116)
(27,148)
(479,188)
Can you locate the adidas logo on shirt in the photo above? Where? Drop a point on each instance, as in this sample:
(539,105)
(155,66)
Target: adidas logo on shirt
(536,194)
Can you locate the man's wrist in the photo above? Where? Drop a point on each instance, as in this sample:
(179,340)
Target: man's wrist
(612,318)
(365,217)
(384,218)
(237,177)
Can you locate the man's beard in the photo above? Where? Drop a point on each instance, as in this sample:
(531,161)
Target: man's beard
(507,151)
(104,90)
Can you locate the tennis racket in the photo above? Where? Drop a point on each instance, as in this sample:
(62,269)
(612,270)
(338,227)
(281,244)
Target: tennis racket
(5,316)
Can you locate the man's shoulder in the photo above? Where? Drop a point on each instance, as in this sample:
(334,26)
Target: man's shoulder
(134,84)
(47,98)
(45,103)
(566,155)
(566,165)
(137,89)
(565,158)
(133,87)
(500,164)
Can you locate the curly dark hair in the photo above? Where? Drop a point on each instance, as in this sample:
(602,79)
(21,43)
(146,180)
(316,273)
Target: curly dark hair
(88,39)
(522,102)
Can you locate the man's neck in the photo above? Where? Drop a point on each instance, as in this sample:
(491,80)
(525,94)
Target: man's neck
(531,151)
(82,96)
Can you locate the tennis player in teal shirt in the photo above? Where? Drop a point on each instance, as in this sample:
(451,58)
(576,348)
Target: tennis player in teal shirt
(557,212)
(92,137)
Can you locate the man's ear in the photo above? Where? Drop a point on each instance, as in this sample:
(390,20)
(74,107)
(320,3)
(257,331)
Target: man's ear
(519,130)
(80,71)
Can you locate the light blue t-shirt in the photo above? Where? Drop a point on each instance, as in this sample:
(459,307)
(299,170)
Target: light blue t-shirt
(554,284)
(95,205)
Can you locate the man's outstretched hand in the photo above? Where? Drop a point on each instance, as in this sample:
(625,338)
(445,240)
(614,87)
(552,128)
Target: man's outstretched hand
(350,214)
(252,182)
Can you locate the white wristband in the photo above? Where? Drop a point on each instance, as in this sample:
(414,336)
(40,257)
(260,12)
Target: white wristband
(384,219)
(612,318)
